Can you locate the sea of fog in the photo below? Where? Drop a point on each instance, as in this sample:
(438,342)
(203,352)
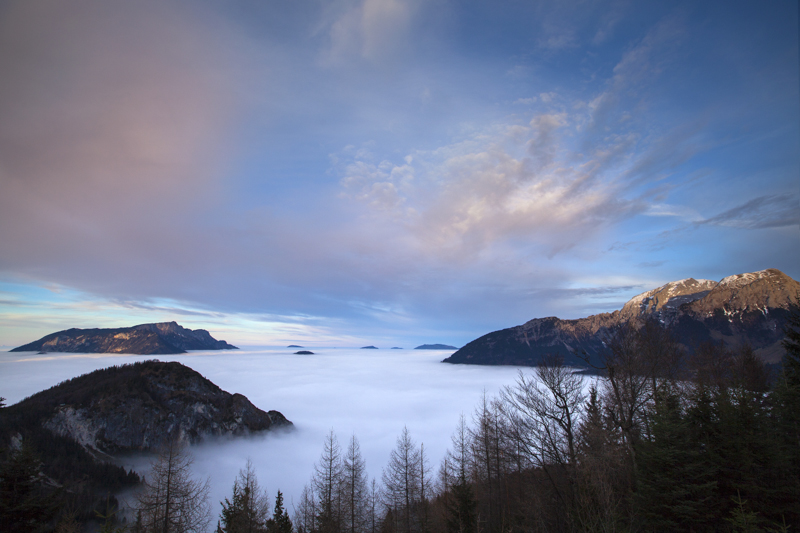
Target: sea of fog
(372,394)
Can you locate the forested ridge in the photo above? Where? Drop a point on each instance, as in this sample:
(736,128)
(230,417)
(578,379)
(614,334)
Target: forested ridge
(659,441)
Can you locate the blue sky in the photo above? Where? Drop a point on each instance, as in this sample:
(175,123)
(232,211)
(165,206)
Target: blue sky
(387,172)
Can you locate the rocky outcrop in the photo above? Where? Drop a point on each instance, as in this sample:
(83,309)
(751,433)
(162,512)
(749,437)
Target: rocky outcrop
(144,339)
(141,406)
(746,308)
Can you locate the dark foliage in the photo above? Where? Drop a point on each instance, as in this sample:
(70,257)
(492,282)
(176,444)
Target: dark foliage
(27,504)
(86,481)
(280,521)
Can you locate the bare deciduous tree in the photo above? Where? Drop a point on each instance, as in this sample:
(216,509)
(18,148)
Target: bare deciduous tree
(354,489)
(545,411)
(401,482)
(305,514)
(642,361)
(172,500)
(327,483)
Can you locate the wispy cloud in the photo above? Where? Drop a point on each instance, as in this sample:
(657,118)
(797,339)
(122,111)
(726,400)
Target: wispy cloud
(770,211)
(373,30)
(550,183)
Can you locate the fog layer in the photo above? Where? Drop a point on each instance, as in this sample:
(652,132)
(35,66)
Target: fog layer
(370,393)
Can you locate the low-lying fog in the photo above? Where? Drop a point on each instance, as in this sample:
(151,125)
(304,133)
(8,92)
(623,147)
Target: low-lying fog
(369,393)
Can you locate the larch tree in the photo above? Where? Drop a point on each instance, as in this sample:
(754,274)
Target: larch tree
(172,501)
(425,489)
(354,489)
(459,496)
(373,503)
(305,514)
(401,482)
(327,484)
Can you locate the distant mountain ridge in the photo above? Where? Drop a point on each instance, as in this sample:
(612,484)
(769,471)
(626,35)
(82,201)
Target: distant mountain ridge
(144,339)
(751,307)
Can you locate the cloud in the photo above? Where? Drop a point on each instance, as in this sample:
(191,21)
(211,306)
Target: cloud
(112,127)
(640,66)
(763,212)
(521,183)
(373,30)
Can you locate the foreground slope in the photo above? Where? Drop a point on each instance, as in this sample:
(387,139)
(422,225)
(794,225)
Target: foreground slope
(138,407)
(72,431)
(745,308)
(144,339)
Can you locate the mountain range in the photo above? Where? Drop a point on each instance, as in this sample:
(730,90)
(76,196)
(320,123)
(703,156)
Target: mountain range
(144,339)
(744,308)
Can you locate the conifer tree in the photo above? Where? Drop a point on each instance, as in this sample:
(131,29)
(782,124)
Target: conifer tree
(25,505)
(305,515)
(373,501)
(280,522)
(354,489)
(460,504)
(327,483)
(248,510)
(401,482)
(172,501)
(674,483)
(461,508)
(786,411)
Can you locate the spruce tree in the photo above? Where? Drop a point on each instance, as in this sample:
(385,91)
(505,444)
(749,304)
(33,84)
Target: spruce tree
(673,481)
(461,507)
(280,522)
(786,415)
(248,510)
(25,505)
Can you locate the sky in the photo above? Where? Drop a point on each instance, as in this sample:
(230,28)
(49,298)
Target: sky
(386,172)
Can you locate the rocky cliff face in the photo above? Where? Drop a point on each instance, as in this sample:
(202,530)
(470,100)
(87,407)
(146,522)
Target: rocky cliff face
(144,339)
(140,406)
(750,308)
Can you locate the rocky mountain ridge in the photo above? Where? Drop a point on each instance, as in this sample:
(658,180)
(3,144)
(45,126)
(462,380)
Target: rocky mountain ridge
(138,407)
(144,339)
(750,307)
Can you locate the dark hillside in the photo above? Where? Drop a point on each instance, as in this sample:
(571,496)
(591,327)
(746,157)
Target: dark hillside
(74,428)
(139,406)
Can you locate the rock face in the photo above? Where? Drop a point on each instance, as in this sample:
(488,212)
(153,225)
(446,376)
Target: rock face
(750,308)
(140,406)
(144,339)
